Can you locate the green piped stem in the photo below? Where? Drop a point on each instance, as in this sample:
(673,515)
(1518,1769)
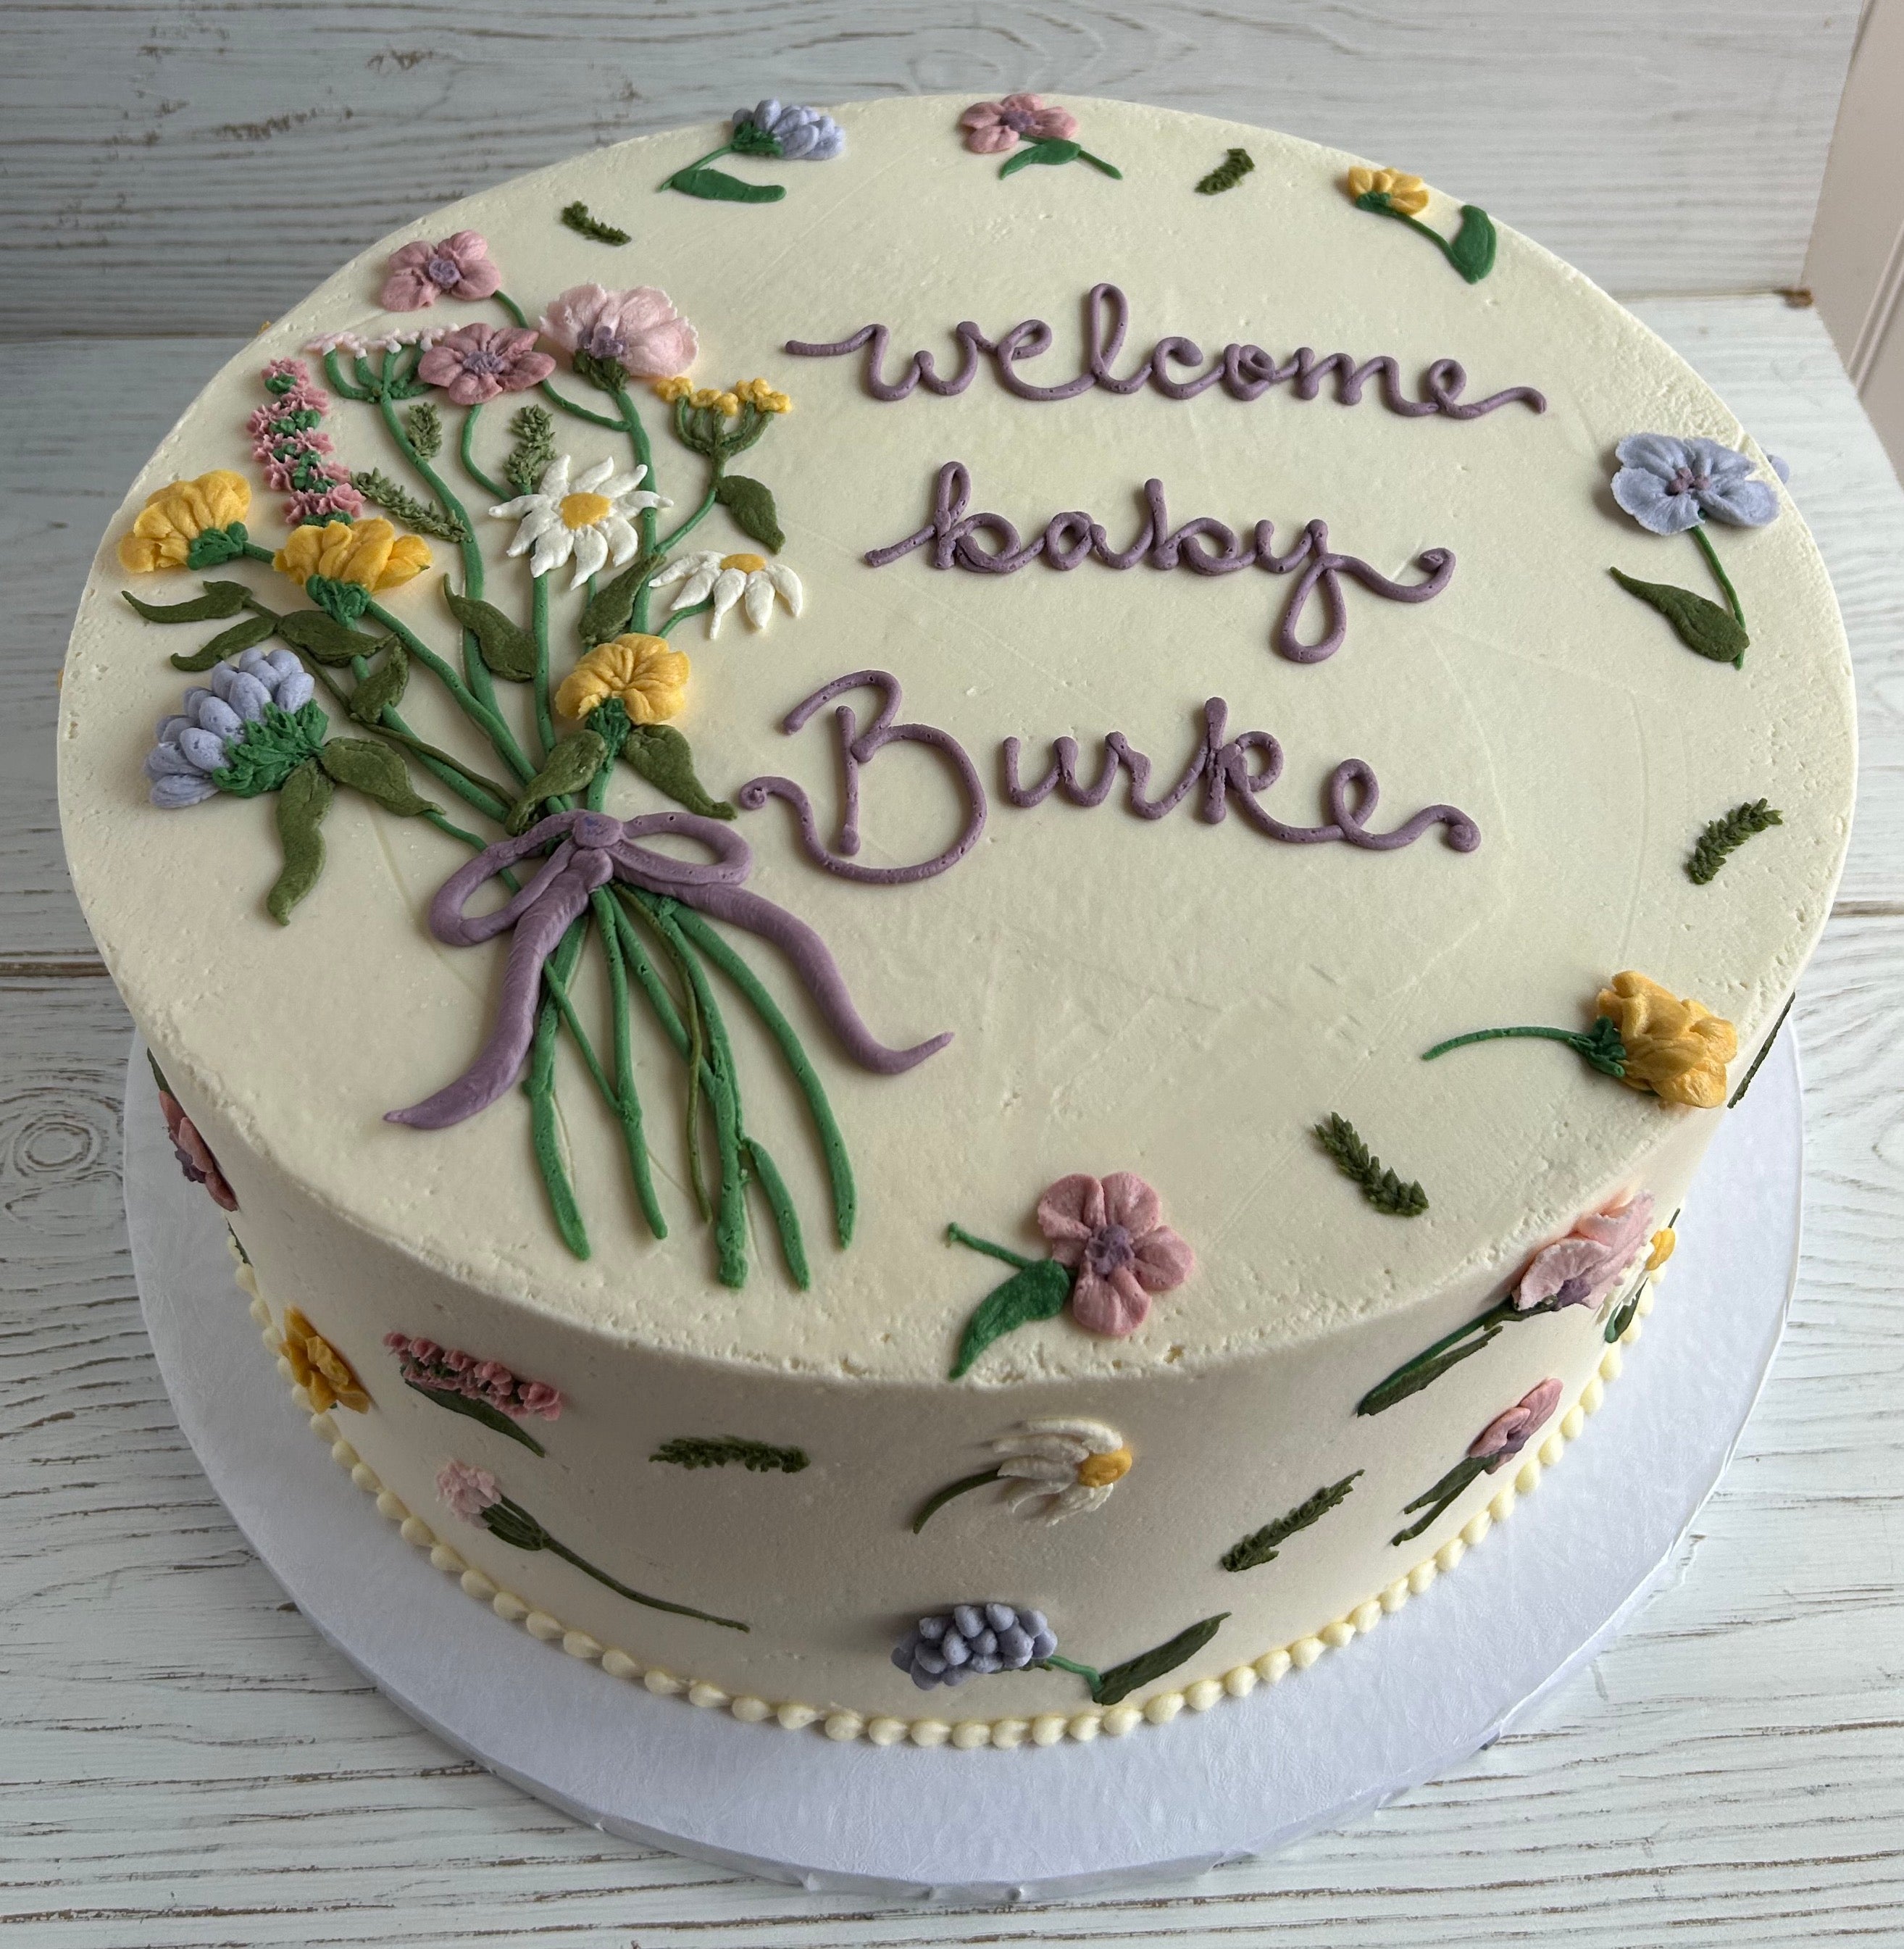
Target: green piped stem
(832,1144)
(957,1234)
(1373,200)
(1090,1676)
(466,452)
(571,407)
(1583,1044)
(627,1102)
(940,1498)
(540,1084)
(483,716)
(780,1202)
(646,521)
(675,616)
(635,1596)
(686,526)
(539,622)
(1725,582)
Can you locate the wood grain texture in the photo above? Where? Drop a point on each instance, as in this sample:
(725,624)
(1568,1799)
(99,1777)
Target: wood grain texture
(1662,149)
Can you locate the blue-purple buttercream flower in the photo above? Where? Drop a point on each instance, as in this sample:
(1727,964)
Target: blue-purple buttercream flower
(1669,485)
(973,1641)
(805,135)
(197,745)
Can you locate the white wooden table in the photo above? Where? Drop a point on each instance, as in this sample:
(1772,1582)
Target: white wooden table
(182,1762)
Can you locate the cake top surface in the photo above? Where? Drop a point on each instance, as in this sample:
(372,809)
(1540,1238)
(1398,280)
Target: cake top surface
(1178,997)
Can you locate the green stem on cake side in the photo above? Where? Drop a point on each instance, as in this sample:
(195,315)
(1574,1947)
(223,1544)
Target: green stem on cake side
(1472,250)
(1116,1682)
(940,1498)
(1437,1501)
(1038,1289)
(1600,1045)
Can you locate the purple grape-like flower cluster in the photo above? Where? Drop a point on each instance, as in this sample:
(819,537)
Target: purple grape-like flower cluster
(971,1641)
(195,746)
(447,1370)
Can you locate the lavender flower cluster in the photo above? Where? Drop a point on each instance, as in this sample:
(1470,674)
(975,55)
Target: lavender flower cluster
(972,1641)
(286,443)
(196,745)
(447,1370)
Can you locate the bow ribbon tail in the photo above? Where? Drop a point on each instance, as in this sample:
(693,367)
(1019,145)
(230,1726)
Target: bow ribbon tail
(539,930)
(814,963)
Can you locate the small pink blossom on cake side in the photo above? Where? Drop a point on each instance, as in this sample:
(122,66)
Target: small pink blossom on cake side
(1111,1232)
(468,1490)
(1508,1433)
(992,127)
(459,267)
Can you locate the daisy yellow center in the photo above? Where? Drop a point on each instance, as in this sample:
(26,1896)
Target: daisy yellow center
(1099,1472)
(583,511)
(748,565)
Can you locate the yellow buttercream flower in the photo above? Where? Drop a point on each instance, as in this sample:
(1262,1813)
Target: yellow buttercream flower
(650,679)
(371,554)
(1679,1049)
(174,518)
(763,397)
(318,1368)
(1664,1240)
(709,400)
(678,387)
(1407,194)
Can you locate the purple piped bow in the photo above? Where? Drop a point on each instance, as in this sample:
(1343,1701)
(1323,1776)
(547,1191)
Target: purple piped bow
(595,849)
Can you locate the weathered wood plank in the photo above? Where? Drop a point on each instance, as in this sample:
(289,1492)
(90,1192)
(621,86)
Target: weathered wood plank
(186,1765)
(1672,149)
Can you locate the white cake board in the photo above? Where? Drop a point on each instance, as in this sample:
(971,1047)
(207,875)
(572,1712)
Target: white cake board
(1429,1687)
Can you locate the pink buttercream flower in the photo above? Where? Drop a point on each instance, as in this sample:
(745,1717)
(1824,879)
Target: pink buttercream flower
(467,1490)
(478,361)
(493,1374)
(398,1343)
(340,497)
(1583,1268)
(195,1154)
(538,1397)
(458,267)
(1111,1233)
(1508,1434)
(992,127)
(456,1360)
(639,330)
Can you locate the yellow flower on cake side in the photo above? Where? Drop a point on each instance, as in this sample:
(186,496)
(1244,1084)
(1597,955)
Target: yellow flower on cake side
(318,1368)
(176,516)
(1679,1049)
(371,554)
(649,679)
(1400,191)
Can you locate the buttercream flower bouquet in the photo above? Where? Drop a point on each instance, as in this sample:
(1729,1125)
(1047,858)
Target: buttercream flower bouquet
(303,693)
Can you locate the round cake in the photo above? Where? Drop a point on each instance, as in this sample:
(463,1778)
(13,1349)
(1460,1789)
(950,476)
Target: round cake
(789,809)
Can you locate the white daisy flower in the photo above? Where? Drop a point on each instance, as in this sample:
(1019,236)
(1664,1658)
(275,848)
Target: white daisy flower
(1061,1467)
(751,580)
(592,520)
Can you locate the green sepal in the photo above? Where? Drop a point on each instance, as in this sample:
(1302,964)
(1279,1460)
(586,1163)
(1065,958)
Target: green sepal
(213,548)
(1700,625)
(345,601)
(752,505)
(507,650)
(273,747)
(1053,150)
(1039,1291)
(384,687)
(376,771)
(478,1410)
(244,636)
(303,801)
(1472,252)
(661,755)
(1603,1048)
(1122,1679)
(220,599)
(571,766)
(748,138)
(605,374)
(325,638)
(605,616)
(715,186)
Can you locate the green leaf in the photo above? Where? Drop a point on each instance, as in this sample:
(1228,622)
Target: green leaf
(605,614)
(1122,1679)
(302,803)
(700,1451)
(570,767)
(1472,252)
(507,648)
(752,506)
(325,638)
(1039,1292)
(220,598)
(660,754)
(577,217)
(1054,151)
(383,687)
(715,187)
(1700,625)
(478,1410)
(376,771)
(228,643)
(1412,1379)
(1261,1547)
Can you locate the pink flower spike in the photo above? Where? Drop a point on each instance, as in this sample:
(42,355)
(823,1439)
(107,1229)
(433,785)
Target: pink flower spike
(640,329)
(467,1490)
(458,267)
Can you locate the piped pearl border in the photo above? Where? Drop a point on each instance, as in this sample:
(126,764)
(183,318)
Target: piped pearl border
(1047,1729)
